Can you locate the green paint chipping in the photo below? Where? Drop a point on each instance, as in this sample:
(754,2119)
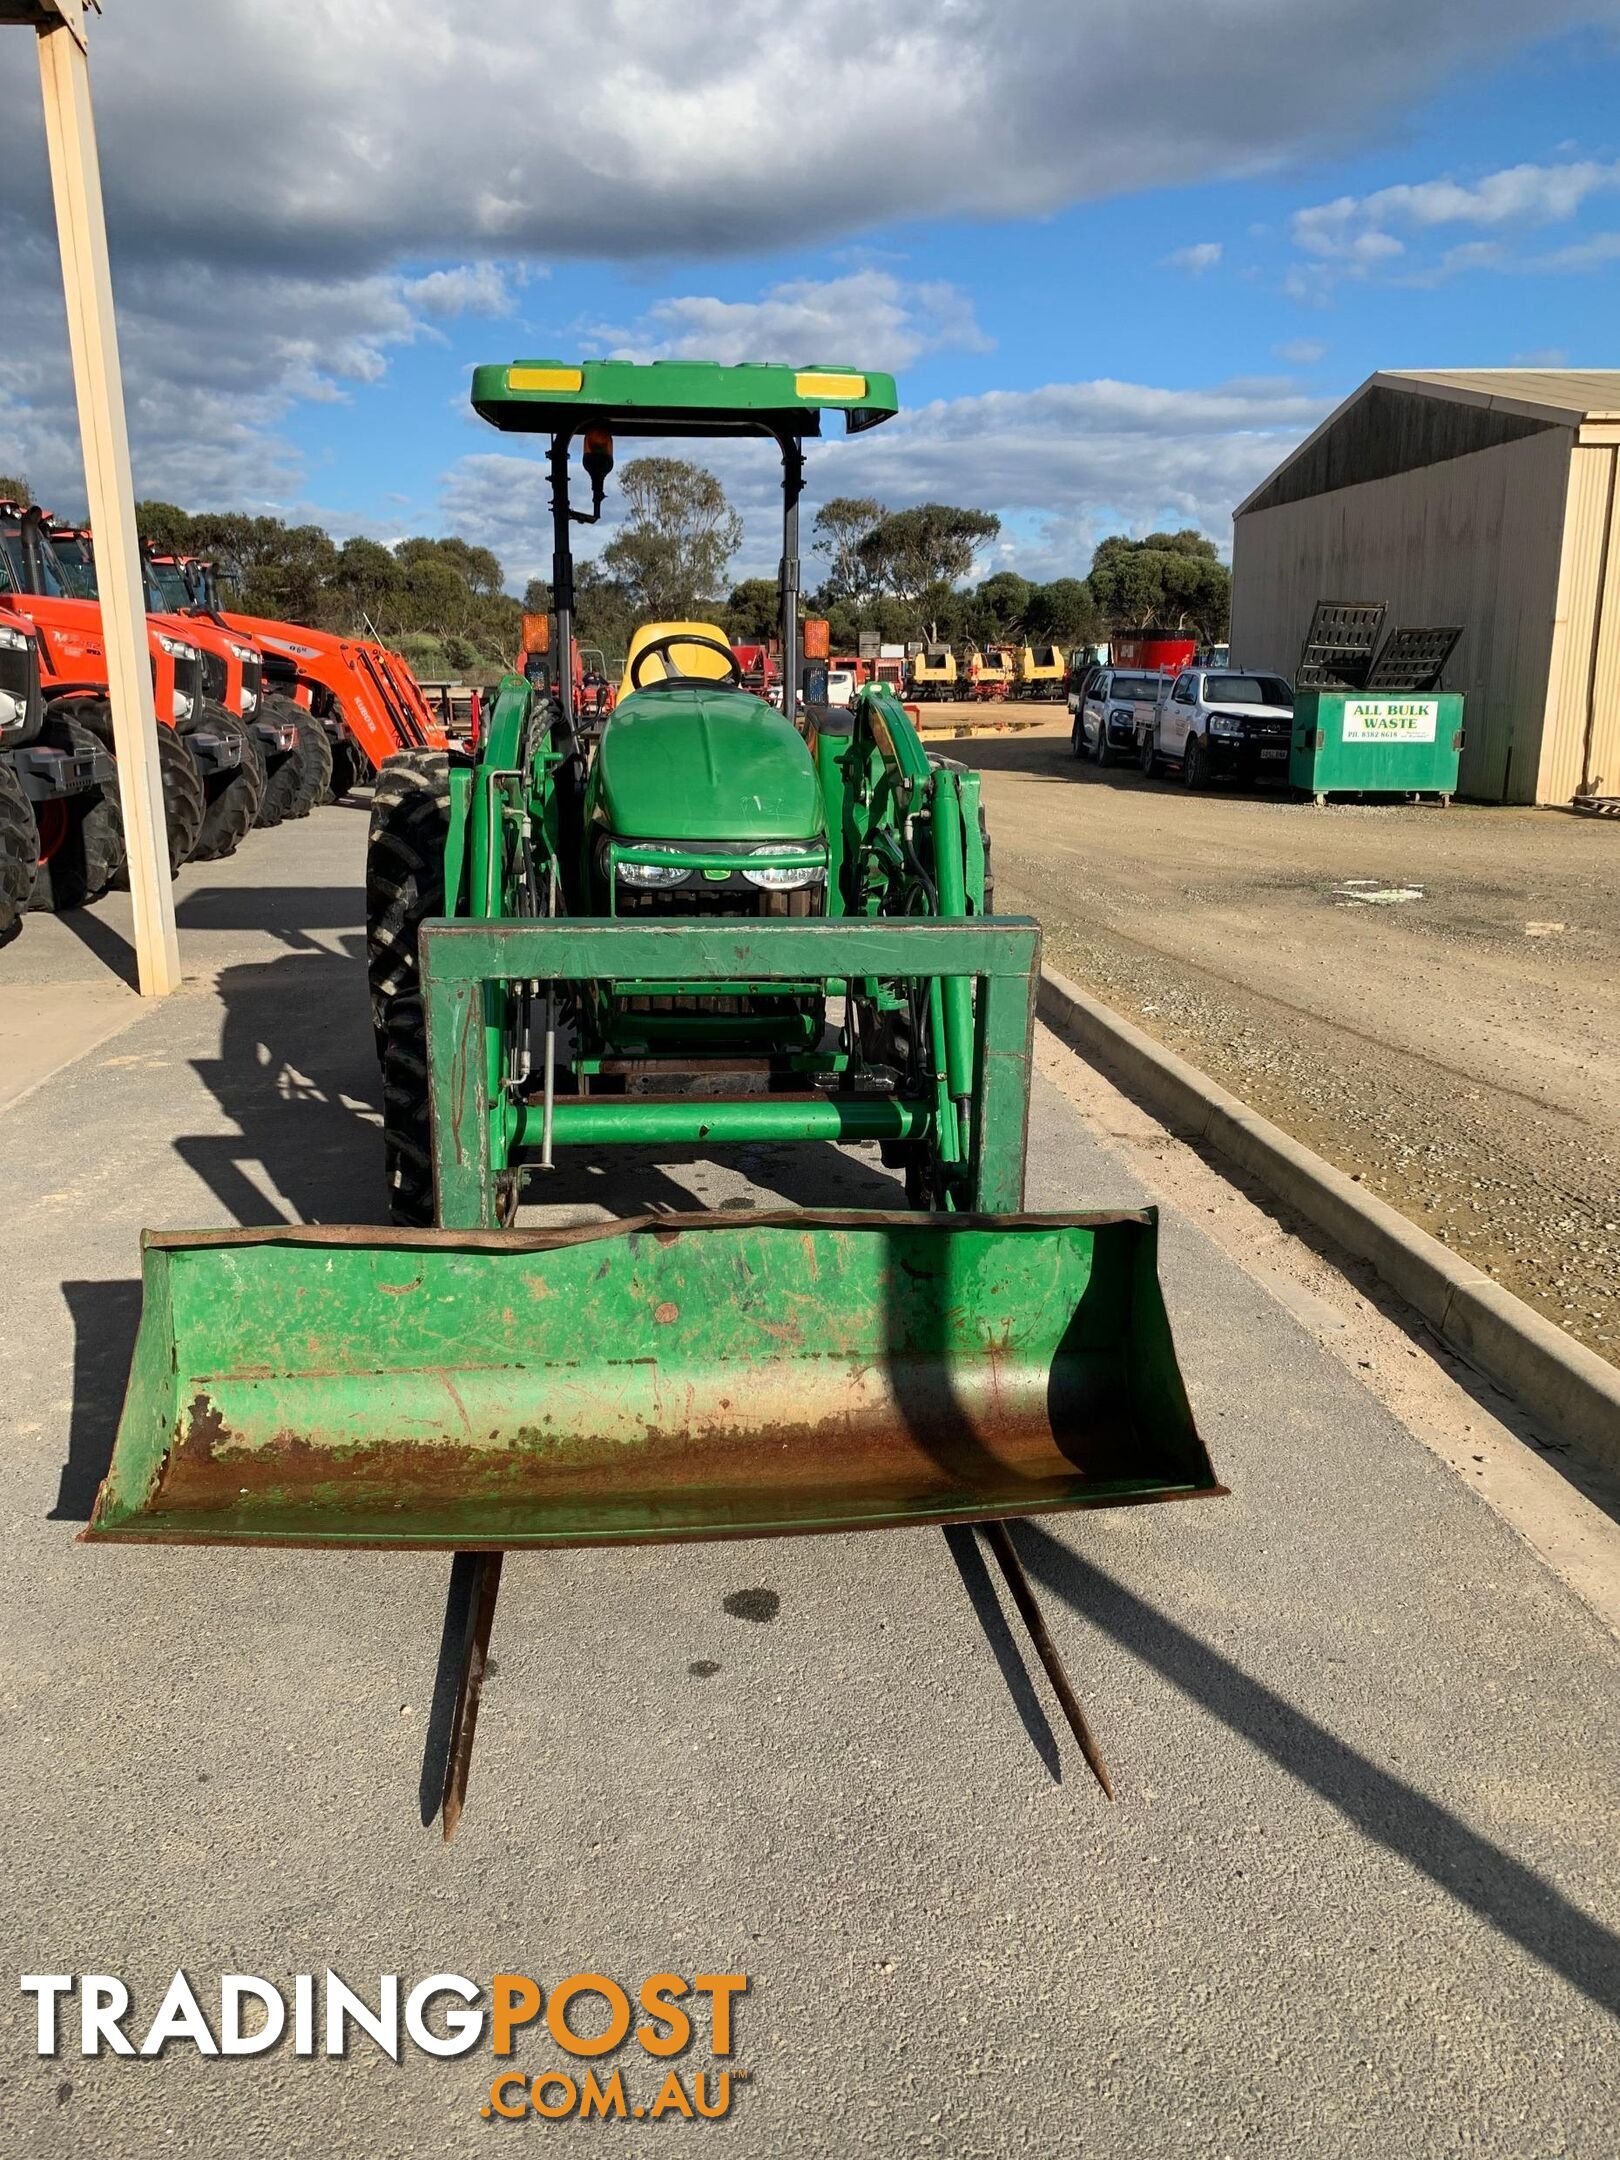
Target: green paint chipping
(672,1378)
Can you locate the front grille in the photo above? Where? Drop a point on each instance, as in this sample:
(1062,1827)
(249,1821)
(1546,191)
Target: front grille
(213,676)
(738,899)
(188,680)
(19,678)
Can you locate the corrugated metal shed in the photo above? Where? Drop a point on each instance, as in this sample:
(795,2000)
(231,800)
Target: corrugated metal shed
(1484,497)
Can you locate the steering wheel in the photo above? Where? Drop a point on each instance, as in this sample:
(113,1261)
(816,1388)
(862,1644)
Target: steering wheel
(660,646)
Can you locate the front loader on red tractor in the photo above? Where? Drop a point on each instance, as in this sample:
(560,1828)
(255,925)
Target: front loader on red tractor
(713,924)
(359,695)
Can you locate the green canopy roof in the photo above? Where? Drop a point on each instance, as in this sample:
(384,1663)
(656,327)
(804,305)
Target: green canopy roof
(677,397)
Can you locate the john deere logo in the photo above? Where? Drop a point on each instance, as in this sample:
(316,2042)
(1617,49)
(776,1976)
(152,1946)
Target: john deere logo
(1397,720)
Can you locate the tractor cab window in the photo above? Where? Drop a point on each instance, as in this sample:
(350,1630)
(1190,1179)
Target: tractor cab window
(55,583)
(168,581)
(73,563)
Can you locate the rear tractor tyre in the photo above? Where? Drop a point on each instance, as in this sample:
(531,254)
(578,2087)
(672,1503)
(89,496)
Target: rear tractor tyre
(410,821)
(82,837)
(233,797)
(19,850)
(407,1126)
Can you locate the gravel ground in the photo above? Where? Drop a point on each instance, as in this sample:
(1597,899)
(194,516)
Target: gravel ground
(1358,1897)
(1427,997)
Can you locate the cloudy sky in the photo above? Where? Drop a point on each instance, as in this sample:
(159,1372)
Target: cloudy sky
(1121,253)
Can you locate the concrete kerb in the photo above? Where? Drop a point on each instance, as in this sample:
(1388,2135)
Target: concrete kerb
(1569,1388)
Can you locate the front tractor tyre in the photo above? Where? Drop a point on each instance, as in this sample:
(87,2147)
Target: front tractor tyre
(184,803)
(410,823)
(407,1122)
(19,850)
(232,796)
(298,780)
(81,837)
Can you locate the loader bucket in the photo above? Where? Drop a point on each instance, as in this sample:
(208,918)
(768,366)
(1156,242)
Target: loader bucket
(673,1377)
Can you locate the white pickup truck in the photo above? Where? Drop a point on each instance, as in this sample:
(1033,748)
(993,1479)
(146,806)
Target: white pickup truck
(1219,723)
(1116,705)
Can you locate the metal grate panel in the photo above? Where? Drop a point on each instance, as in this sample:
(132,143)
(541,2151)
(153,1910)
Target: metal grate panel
(1412,660)
(1339,646)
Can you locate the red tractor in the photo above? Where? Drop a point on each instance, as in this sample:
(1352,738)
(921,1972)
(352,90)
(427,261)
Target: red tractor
(264,783)
(364,698)
(61,831)
(202,749)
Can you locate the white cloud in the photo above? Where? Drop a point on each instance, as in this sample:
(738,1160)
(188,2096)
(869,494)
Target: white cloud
(1201,256)
(214,361)
(1517,195)
(1589,254)
(295,189)
(1061,465)
(365,136)
(1301,352)
(1350,236)
(469,289)
(870,317)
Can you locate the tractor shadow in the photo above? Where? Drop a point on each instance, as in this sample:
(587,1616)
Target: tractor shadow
(1480,1876)
(104,1316)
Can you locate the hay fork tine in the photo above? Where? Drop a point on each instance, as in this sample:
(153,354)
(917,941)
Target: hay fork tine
(1029,1611)
(485,1588)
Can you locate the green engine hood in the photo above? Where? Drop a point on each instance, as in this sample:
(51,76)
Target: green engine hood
(704,763)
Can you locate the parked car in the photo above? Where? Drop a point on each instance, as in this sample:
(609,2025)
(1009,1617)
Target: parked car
(1083,672)
(1117,704)
(1221,723)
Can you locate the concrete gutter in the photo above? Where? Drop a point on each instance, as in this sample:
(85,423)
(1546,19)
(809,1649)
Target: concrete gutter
(1570,1389)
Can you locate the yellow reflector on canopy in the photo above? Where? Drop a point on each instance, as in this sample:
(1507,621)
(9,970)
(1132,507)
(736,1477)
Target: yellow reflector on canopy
(570,379)
(814,383)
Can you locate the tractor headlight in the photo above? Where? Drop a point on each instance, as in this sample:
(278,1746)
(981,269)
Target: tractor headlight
(13,711)
(788,878)
(244,653)
(648,874)
(176,648)
(13,640)
(1225,723)
(182,705)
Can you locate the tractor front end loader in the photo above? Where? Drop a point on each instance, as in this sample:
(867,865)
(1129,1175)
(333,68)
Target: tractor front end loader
(566,931)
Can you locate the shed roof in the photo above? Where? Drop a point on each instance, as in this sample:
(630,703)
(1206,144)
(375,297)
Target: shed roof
(1378,430)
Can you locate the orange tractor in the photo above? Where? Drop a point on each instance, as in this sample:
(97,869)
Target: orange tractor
(364,699)
(61,832)
(209,775)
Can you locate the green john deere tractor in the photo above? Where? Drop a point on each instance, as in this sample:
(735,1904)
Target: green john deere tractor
(713,922)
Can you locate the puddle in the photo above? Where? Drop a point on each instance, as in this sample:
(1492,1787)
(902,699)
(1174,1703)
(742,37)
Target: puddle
(1373,892)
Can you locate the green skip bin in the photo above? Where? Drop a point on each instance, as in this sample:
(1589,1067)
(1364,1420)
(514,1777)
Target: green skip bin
(672,1377)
